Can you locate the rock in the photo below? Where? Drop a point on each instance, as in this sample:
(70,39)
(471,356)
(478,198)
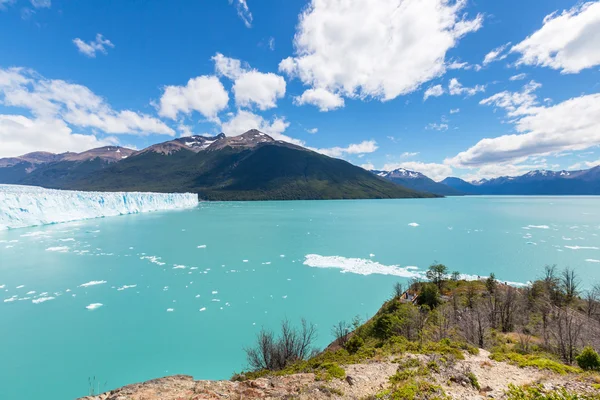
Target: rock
(350,380)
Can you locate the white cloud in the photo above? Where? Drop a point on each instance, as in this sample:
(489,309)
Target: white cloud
(312,130)
(566,126)
(364,147)
(367,166)
(584,165)
(243,11)
(322,98)
(455,88)
(90,48)
(382,49)
(433,91)
(567,42)
(20,135)
(259,89)
(518,77)
(75,104)
(244,120)
(4,3)
(250,87)
(204,94)
(496,55)
(496,170)
(454,110)
(41,3)
(437,172)
(437,127)
(407,154)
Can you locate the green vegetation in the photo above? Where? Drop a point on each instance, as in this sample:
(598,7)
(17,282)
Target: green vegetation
(537,392)
(588,359)
(538,361)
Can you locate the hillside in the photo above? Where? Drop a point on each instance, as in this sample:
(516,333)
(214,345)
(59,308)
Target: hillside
(417,181)
(442,339)
(252,166)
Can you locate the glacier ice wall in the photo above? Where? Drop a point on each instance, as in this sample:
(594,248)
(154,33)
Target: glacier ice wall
(22,206)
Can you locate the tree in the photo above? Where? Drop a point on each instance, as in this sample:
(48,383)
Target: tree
(398,290)
(437,273)
(340,331)
(569,284)
(429,296)
(592,301)
(275,354)
(566,333)
(588,359)
(455,276)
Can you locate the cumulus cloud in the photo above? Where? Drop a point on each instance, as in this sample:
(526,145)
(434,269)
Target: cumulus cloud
(364,147)
(541,129)
(322,98)
(41,3)
(497,54)
(20,135)
(433,91)
(437,172)
(204,94)
(75,104)
(381,50)
(455,88)
(567,41)
(251,88)
(92,47)
(584,165)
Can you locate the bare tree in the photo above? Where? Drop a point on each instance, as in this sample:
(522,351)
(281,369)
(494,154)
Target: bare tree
(592,302)
(292,345)
(474,324)
(569,284)
(398,290)
(340,332)
(566,332)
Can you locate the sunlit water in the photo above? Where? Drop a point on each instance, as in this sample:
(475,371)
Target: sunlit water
(231,268)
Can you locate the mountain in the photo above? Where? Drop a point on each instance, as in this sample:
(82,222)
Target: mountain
(251,166)
(539,182)
(417,181)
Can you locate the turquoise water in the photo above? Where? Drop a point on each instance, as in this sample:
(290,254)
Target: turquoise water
(50,349)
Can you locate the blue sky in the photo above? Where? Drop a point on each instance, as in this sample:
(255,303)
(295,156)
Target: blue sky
(386,84)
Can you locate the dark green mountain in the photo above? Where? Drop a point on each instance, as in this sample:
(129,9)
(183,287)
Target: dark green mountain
(251,166)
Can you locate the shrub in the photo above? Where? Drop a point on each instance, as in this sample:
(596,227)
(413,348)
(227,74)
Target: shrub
(588,359)
(354,343)
(429,296)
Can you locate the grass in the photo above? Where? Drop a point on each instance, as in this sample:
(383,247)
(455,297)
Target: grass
(537,392)
(538,361)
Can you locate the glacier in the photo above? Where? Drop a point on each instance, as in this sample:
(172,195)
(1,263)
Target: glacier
(22,206)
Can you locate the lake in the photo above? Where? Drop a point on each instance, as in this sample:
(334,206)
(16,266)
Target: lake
(125,299)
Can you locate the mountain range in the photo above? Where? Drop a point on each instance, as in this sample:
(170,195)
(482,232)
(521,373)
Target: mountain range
(417,181)
(251,166)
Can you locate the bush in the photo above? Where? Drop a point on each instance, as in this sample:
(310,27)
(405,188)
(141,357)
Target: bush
(429,296)
(588,359)
(354,343)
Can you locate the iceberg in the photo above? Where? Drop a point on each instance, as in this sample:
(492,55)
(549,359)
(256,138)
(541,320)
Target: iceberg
(22,206)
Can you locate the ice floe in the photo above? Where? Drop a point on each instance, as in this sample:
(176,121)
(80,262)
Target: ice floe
(413,224)
(42,299)
(92,283)
(357,266)
(124,287)
(592,260)
(582,247)
(94,306)
(202,246)
(60,249)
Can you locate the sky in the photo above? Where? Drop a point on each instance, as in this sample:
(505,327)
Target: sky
(468,88)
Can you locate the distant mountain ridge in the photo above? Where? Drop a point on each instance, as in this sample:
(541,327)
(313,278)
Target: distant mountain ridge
(538,182)
(251,166)
(417,181)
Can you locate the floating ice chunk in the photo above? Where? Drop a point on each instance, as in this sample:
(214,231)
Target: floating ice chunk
(202,309)
(193,267)
(413,224)
(216,300)
(284,297)
(536,227)
(371,255)
(126,287)
(592,260)
(357,266)
(170,309)
(22,206)
(282,255)
(202,246)
(153,259)
(267,263)
(197,296)
(60,249)
(92,283)
(20,286)
(42,299)
(2,286)
(10,299)
(533,243)
(179,267)
(31,292)
(244,260)
(66,240)
(94,306)
(215,292)
(582,247)
(34,234)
